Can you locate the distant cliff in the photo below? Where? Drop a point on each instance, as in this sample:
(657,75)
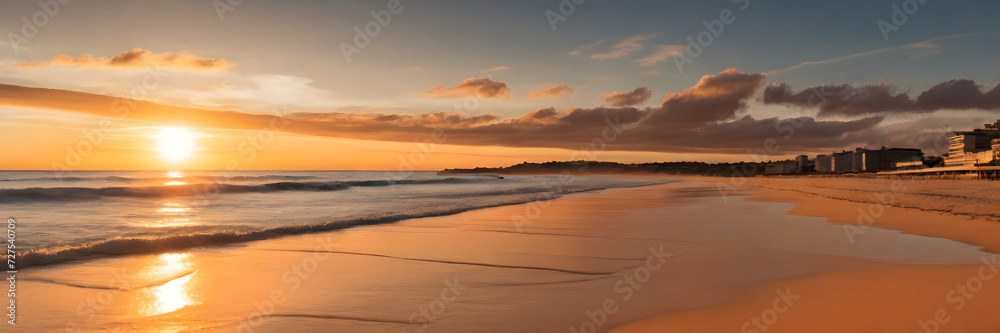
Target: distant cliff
(592,167)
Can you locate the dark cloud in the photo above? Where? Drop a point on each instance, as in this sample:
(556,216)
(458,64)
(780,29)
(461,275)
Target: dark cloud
(714,98)
(847,100)
(959,94)
(704,118)
(634,97)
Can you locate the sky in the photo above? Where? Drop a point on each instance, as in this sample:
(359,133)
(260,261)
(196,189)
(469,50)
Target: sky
(427,85)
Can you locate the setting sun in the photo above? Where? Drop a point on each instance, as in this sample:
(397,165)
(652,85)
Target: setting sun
(176,144)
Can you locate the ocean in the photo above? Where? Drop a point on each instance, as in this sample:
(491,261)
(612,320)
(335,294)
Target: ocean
(70,215)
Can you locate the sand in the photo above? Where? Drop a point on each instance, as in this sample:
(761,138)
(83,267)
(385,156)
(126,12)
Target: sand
(885,297)
(668,258)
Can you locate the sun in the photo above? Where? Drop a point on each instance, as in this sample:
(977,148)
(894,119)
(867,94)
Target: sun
(176,144)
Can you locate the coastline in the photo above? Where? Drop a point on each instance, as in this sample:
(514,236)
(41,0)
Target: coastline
(654,254)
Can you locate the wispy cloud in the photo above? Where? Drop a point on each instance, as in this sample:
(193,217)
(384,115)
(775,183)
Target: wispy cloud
(483,88)
(133,58)
(623,48)
(551,92)
(663,52)
(494,69)
(927,46)
(634,97)
(587,48)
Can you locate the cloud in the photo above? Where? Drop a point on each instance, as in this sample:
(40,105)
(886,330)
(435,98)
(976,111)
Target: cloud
(415,68)
(588,47)
(136,57)
(701,119)
(482,88)
(634,97)
(551,92)
(663,52)
(880,97)
(649,73)
(926,47)
(625,47)
(494,69)
(714,98)
(959,94)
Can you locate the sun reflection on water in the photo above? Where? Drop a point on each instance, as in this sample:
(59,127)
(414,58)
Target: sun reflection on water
(175,294)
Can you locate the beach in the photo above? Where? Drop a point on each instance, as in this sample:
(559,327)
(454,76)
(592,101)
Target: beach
(682,256)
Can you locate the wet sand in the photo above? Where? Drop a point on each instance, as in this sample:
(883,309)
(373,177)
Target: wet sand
(675,257)
(885,297)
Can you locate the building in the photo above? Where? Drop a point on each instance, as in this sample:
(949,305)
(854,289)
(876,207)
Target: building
(802,163)
(996,151)
(913,165)
(966,148)
(781,167)
(872,160)
(845,161)
(887,159)
(824,163)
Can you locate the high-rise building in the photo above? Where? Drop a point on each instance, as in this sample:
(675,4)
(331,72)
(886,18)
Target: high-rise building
(801,163)
(966,147)
(871,160)
(824,163)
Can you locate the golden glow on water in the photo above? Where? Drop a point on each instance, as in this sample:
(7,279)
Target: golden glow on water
(174,174)
(172,214)
(176,182)
(175,294)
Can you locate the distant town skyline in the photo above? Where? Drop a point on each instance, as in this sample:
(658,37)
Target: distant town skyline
(428,85)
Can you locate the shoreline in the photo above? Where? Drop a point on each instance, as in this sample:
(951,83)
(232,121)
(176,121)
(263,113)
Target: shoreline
(861,299)
(116,247)
(555,271)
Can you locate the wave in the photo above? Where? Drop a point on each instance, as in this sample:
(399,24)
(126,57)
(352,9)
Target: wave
(138,245)
(202,189)
(158,179)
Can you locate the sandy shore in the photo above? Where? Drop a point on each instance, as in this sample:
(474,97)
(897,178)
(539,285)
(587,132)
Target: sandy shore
(680,257)
(882,298)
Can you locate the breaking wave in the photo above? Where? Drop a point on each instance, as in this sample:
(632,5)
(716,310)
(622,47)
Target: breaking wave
(201,189)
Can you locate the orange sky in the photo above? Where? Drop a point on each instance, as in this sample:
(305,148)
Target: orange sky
(62,140)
